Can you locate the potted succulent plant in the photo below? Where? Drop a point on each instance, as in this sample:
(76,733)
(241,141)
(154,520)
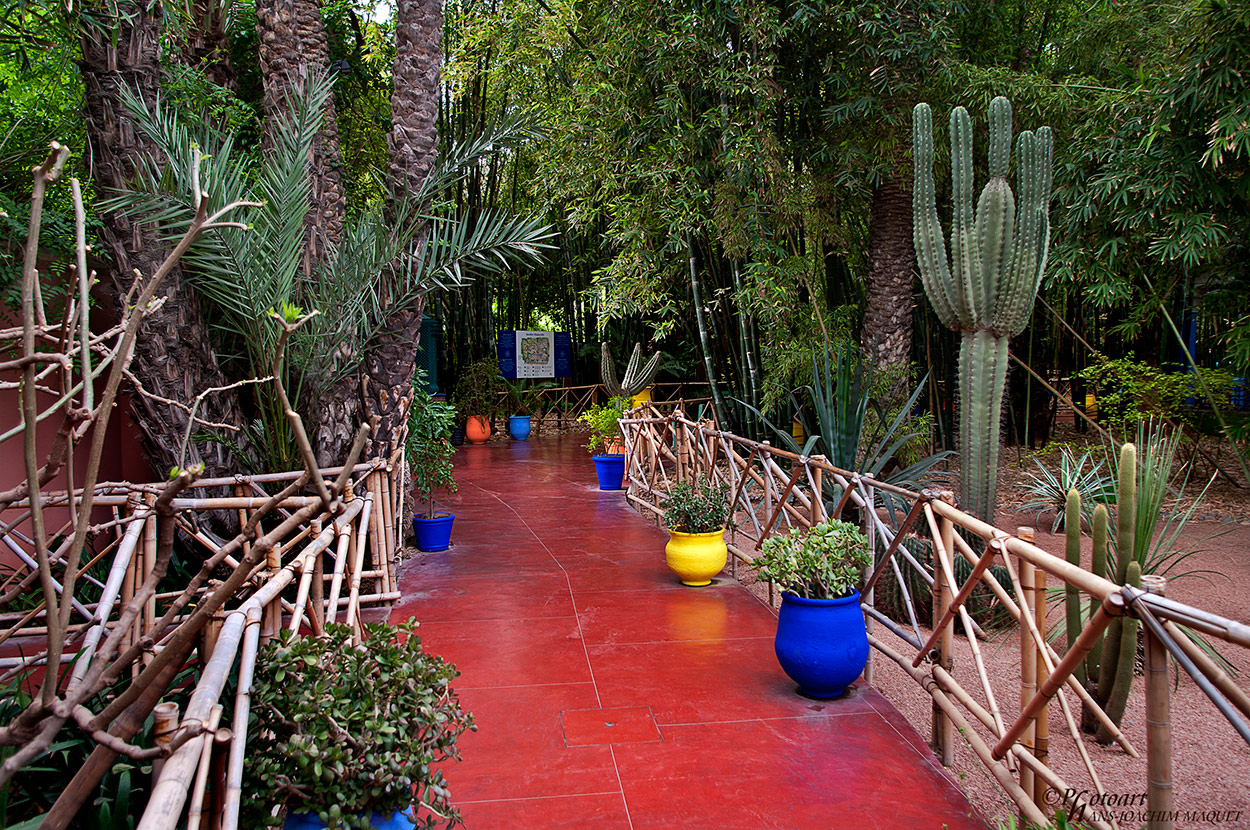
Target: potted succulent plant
(345,735)
(477,397)
(695,515)
(821,640)
(429,453)
(605,445)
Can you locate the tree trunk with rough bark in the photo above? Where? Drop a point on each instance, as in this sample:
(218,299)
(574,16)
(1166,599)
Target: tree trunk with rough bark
(293,45)
(889,300)
(174,357)
(206,45)
(413,146)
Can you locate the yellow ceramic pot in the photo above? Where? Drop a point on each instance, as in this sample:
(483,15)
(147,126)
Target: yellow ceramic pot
(642,397)
(696,557)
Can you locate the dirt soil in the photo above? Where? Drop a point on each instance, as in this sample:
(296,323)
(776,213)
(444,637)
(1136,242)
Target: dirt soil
(1211,763)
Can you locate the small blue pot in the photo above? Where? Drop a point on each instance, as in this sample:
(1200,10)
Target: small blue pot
(519,427)
(309,821)
(433,534)
(611,471)
(821,643)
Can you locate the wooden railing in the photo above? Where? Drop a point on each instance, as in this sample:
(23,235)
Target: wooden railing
(318,566)
(774,491)
(565,403)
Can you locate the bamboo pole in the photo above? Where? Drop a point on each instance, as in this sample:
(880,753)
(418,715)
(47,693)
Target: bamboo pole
(346,549)
(1227,686)
(353,599)
(999,771)
(242,707)
(1041,729)
(164,725)
(1160,789)
(195,813)
(943,726)
(222,742)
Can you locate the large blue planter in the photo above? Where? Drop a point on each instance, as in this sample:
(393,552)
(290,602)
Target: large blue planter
(433,534)
(309,821)
(611,471)
(519,427)
(821,643)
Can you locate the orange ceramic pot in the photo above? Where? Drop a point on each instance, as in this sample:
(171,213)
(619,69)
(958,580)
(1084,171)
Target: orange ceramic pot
(477,429)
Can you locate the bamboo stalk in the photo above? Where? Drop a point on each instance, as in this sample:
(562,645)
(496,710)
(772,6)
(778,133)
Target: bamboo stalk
(222,742)
(1028,677)
(345,548)
(944,580)
(164,725)
(353,599)
(195,813)
(999,771)
(1160,792)
(1227,686)
(242,706)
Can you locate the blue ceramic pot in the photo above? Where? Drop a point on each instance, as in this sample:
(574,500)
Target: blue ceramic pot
(433,534)
(821,643)
(309,821)
(611,471)
(519,427)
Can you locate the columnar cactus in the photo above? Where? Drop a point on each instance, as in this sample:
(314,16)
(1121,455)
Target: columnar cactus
(997,258)
(637,376)
(1072,596)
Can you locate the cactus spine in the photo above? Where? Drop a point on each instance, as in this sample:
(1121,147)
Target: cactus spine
(637,376)
(997,258)
(1072,551)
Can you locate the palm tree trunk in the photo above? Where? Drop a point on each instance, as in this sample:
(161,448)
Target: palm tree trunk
(292,45)
(174,357)
(889,301)
(413,143)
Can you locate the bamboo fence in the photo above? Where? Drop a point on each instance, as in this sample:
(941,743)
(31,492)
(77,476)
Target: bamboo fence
(774,491)
(323,569)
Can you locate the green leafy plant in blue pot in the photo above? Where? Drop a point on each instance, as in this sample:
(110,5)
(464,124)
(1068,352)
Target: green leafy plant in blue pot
(821,640)
(429,452)
(348,735)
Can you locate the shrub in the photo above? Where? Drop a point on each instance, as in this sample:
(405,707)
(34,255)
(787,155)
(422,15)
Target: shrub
(603,422)
(1049,490)
(341,730)
(825,562)
(697,507)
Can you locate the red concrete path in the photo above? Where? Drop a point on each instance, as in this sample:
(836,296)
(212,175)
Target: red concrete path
(607,695)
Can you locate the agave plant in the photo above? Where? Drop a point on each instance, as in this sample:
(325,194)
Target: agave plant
(1049,489)
(835,409)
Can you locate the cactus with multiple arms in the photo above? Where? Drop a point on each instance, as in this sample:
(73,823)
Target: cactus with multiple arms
(637,376)
(986,290)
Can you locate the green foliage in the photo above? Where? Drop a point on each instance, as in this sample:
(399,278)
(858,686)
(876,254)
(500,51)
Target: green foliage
(825,562)
(1051,490)
(1130,390)
(603,421)
(525,397)
(697,507)
(478,389)
(848,424)
(340,730)
(997,259)
(427,447)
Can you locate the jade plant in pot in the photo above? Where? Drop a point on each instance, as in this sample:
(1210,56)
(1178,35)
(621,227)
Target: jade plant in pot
(695,515)
(821,640)
(347,735)
(478,391)
(606,446)
(429,453)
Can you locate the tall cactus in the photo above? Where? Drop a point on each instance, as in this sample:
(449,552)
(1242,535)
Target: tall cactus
(997,258)
(1120,643)
(1072,550)
(637,376)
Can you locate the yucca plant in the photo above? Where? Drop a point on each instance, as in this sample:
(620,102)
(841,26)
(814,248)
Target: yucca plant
(1049,489)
